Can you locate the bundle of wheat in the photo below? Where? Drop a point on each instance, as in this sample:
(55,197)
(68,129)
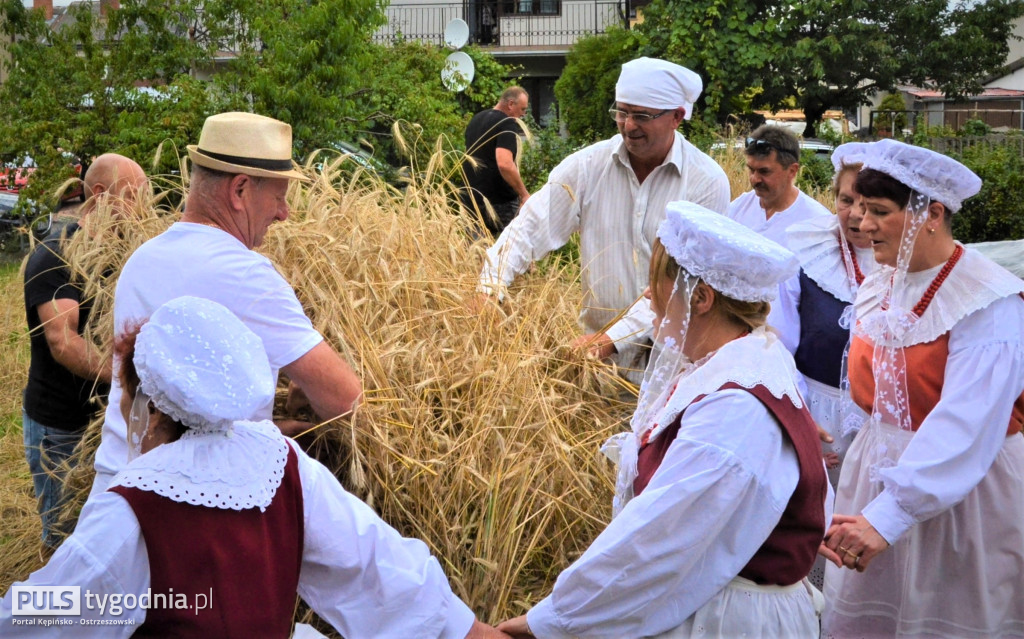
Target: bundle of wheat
(479,430)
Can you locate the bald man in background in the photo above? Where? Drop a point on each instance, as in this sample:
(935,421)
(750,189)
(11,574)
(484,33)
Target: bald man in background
(65,371)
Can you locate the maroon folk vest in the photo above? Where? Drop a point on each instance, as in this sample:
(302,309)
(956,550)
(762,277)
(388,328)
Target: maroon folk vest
(787,555)
(244,565)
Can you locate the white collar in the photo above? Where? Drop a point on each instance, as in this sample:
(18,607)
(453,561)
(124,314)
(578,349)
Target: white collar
(675,157)
(755,359)
(236,469)
(816,244)
(973,284)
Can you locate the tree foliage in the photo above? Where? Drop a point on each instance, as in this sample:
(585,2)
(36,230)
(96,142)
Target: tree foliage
(841,51)
(816,54)
(75,88)
(586,88)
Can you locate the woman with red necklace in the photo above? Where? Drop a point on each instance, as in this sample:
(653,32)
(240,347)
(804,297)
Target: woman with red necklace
(834,257)
(927,540)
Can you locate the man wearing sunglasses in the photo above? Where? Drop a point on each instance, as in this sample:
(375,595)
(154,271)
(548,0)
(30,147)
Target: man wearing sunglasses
(614,194)
(772,206)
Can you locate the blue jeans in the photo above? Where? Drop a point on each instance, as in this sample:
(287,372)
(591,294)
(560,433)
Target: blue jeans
(45,449)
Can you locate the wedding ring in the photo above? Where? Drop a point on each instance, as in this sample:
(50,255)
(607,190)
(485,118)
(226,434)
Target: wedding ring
(856,560)
(843,549)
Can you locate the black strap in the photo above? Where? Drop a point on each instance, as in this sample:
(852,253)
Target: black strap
(255,163)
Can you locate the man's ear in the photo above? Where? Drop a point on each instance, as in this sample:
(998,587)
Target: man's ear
(236,188)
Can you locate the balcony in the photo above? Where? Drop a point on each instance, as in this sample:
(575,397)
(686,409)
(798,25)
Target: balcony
(505,26)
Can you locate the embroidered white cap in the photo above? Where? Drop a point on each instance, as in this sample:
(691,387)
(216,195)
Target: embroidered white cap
(849,153)
(658,84)
(201,365)
(937,176)
(728,256)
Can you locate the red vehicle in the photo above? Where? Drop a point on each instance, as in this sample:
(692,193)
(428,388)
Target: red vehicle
(14,178)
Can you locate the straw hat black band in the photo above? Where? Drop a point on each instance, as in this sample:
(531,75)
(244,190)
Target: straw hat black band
(256,163)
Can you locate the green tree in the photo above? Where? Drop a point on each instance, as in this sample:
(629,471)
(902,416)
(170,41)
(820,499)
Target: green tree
(731,43)
(838,52)
(586,88)
(301,61)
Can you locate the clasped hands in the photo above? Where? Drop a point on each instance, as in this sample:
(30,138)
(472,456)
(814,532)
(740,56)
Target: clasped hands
(852,542)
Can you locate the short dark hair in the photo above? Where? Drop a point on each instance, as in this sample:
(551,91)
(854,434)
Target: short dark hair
(872,183)
(768,138)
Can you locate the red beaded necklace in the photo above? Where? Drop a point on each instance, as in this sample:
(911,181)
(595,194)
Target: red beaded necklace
(853,260)
(933,288)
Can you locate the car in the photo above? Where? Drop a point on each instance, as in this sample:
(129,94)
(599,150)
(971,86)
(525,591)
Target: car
(358,158)
(17,213)
(14,177)
(819,147)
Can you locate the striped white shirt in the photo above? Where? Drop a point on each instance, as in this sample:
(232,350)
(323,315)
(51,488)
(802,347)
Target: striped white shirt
(595,191)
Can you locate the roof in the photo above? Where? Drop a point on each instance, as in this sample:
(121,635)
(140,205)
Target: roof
(991,93)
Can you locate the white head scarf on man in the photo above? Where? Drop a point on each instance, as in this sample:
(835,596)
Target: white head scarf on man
(658,84)
(200,365)
(734,261)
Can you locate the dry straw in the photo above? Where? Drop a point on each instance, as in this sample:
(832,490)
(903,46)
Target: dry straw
(479,431)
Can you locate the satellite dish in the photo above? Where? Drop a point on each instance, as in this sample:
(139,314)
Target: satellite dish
(456,34)
(458,71)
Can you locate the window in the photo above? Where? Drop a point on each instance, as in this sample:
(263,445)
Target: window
(532,7)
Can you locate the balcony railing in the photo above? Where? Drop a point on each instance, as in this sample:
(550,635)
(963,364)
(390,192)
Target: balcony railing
(504,23)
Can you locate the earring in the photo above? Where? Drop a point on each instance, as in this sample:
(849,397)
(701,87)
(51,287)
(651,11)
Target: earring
(931,229)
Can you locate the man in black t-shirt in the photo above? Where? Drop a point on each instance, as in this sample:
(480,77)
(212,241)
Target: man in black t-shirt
(65,370)
(492,141)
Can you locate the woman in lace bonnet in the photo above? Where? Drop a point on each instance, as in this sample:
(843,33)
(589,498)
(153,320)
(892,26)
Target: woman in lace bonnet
(721,490)
(228,516)
(927,540)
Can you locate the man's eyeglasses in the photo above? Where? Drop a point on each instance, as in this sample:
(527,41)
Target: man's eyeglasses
(641,118)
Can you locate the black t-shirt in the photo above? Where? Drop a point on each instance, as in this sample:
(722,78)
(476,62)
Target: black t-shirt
(488,131)
(54,396)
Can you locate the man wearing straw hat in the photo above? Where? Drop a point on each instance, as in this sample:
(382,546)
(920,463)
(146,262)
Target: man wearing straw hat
(614,193)
(65,370)
(239,182)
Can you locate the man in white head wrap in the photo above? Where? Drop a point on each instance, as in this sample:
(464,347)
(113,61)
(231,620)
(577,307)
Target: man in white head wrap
(614,193)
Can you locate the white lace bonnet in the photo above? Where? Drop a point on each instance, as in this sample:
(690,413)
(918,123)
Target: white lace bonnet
(658,84)
(202,366)
(849,153)
(939,177)
(726,255)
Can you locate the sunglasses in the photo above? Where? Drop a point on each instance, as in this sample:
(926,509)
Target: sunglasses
(764,147)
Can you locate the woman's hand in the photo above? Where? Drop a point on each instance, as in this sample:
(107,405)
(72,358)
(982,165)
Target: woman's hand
(853,541)
(517,628)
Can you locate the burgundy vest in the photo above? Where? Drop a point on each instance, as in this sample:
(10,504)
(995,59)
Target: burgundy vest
(249,560)
(787,555)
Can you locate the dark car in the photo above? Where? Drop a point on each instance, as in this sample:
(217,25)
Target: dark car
(356,158)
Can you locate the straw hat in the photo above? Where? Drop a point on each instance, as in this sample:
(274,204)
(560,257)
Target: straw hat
(246,143)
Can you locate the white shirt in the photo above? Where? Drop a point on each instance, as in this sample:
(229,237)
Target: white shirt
(595,191)
(719,492)
(958,441)
(746,209)
(357,572)
(202,261)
